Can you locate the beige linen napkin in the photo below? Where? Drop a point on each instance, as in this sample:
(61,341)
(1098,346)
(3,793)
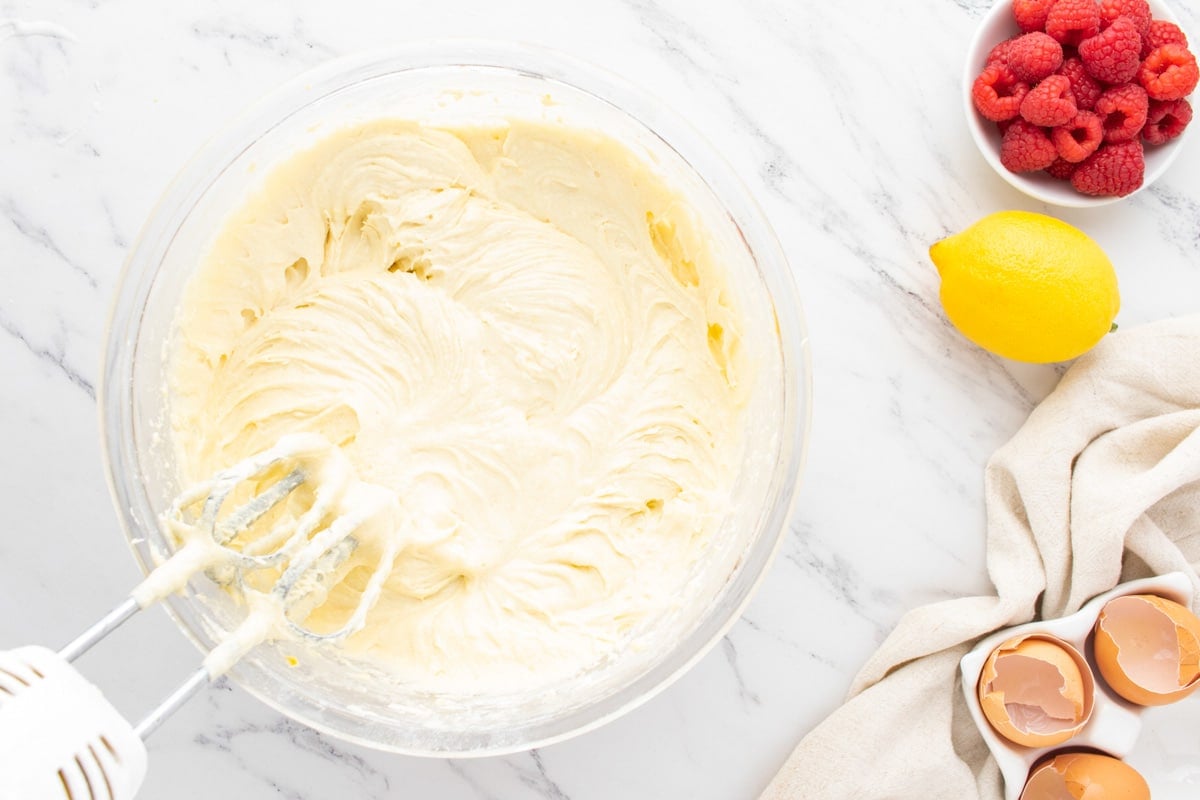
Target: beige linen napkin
(1101,485)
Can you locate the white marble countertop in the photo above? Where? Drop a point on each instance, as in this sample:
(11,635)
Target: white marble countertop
(846,122)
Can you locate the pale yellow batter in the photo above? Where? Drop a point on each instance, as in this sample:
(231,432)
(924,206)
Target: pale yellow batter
(519,332)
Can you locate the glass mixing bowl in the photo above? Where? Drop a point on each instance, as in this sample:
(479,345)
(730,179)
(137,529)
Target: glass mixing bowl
(456,83)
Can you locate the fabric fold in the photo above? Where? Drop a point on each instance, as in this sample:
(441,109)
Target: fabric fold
(1101,485)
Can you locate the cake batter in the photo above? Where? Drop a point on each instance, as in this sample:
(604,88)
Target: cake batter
(520,334)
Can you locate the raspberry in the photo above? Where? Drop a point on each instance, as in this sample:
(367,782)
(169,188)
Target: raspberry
(1114,54)
(1034,56)
(1169,72)
(1079,138)
(1050,103)
(1114,170)
(1123,109)
(1084,87)
(1061,169)
(1162,32)
(1026,148)
(1031,14)
(1138,12)
(998,94)
(1001,53)
(1072,21)
(1166,120)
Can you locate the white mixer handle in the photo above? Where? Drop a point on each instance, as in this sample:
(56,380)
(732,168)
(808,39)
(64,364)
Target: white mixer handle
(60,739)
(59,736)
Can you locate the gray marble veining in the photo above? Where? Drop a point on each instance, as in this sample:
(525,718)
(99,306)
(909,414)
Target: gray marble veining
(846,123)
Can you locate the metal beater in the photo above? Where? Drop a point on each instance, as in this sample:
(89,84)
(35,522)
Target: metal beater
(59,736)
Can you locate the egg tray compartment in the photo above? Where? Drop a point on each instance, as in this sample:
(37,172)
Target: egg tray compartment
(1115,723)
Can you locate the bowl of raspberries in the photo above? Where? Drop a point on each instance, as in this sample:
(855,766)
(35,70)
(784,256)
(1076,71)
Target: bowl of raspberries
(1080,102)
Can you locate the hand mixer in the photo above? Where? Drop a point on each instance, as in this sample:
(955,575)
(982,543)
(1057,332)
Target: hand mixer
(59,736)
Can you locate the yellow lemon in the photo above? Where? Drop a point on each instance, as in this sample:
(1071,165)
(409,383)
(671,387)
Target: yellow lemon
(1027,286)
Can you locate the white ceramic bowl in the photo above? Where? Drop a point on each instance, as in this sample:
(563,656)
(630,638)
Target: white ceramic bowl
(997,25)
(1115,723)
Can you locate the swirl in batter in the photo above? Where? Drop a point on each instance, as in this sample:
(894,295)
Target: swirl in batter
(518,331)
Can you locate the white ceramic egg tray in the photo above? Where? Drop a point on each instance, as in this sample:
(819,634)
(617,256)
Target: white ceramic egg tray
(1114,725)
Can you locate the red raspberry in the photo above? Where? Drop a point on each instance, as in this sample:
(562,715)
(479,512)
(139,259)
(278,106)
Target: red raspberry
(1079,138)
(1072,21)
(1034,56)
(1114,54)
(1169,72)
(1137,10)
(1026,148)
(1114,170)
(1001,52)
(1061,169)
(1050,103)
(1031,14)
(1084,87)
(1166,120)
(1162,32)
(998,94)
(1123,109)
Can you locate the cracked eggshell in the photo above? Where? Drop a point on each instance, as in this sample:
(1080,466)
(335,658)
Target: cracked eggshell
(1036,690)
(1147,649)
(1085,776)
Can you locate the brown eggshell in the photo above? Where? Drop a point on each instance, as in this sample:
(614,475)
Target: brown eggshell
(1131,635)
(1036,690)
(1085,776)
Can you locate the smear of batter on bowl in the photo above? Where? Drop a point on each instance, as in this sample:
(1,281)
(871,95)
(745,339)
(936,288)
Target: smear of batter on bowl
(520,332)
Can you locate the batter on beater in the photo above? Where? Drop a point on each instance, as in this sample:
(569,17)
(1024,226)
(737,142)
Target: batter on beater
(521,333)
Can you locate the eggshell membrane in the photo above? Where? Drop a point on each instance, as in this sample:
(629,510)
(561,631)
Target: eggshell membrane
(1148,649)
(1085,776)
(1036,690)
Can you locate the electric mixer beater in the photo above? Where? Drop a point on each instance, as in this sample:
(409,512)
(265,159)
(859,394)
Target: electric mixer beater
(61,738)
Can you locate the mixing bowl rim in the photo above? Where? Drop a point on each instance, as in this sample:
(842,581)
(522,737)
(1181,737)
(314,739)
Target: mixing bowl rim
(114,395)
